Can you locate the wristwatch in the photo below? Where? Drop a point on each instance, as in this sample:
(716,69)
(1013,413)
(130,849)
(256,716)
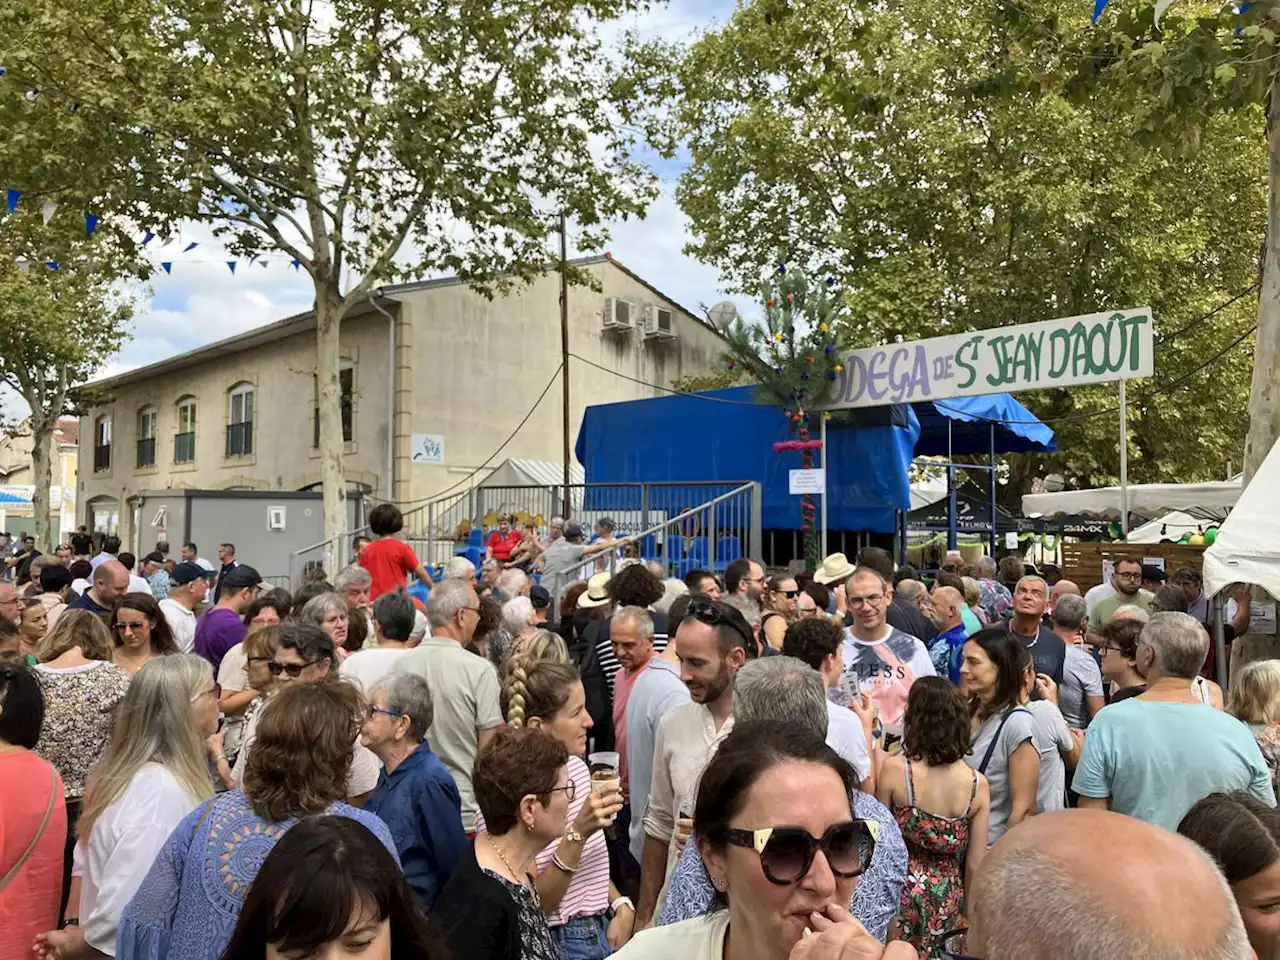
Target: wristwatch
(573,836)
(620,902)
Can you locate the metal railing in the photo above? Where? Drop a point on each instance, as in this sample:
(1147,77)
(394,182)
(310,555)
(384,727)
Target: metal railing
(709,536)
(240,439)
(684,525)
(101,457)
(184,447)
(147,452)
(440,529)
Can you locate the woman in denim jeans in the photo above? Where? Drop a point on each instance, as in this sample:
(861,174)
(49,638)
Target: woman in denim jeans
(589,919)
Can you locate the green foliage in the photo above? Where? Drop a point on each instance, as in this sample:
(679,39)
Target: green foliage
(963,172)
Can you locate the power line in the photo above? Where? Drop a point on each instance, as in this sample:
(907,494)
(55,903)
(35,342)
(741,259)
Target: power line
(657,386)
(511,436)
(1214,312)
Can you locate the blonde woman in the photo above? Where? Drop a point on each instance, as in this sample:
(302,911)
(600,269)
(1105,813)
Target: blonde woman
(1255,699)
(82,688)
(153,774)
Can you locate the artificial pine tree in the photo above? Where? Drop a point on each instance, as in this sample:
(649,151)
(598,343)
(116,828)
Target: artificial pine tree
(794,357)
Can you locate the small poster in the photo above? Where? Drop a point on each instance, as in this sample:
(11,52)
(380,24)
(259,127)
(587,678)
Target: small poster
(1157,562)
(806,481)
(1011,540)
(1262,617)
(427,448)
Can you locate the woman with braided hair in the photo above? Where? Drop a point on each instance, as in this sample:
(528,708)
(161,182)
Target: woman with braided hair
(589,919)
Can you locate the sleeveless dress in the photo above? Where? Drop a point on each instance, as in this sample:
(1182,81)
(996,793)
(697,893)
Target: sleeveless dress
(933,895)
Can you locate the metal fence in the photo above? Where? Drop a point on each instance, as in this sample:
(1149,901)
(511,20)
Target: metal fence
(708,536)
(685,525)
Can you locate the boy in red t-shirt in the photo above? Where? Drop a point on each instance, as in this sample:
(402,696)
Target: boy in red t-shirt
(388,560)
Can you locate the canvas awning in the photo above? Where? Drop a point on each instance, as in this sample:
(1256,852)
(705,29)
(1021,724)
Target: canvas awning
(1247,548)
(1210,500)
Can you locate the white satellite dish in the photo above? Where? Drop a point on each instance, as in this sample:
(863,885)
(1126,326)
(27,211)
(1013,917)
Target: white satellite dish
(722,314)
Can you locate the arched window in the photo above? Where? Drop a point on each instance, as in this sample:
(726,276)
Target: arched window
(184,441)
(240,421)
(102,443)
(147,419)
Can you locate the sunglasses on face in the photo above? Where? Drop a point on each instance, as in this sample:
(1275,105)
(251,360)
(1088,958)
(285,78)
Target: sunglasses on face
(713,615)
(292,669)
(789,594)
(786,853)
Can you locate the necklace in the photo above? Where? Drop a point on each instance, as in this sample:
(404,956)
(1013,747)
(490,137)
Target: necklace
(503,857)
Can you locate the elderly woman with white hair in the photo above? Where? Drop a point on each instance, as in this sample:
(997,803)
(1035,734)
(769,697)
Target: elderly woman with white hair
(416,795)
(460,568)
(329,612)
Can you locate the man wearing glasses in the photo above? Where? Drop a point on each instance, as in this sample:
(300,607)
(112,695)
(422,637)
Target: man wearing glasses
(464,687)
(1127,583)
(880,660)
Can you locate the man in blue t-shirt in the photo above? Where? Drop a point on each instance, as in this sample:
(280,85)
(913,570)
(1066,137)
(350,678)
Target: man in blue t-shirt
(1155,755)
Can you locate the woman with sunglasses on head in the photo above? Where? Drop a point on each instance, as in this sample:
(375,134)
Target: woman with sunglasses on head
(141,631)
(780,609)
(777,836)
(330,889)
(153,774)
(299,766)
(490,907)
(1003,748)
(587,915)
(942,805)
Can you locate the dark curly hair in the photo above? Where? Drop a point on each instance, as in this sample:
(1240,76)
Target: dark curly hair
(635,586)
(935,727)
(516,763)
(1124,633)
(301,759)
(812,640)
(488,618)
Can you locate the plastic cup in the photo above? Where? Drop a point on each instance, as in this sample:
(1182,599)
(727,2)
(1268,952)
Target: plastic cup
(604,771)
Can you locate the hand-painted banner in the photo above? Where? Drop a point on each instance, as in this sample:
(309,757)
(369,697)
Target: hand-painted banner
(1055,353)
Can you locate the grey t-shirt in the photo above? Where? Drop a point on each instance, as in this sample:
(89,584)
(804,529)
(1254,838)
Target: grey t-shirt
(556,559)
(1051,738)
(1081,678)
(1020,728)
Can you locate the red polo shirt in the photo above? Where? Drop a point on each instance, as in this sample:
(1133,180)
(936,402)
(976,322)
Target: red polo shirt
(502,546)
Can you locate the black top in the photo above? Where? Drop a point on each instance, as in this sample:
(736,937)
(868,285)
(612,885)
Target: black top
(81,544)
(1048,650)
(485,917)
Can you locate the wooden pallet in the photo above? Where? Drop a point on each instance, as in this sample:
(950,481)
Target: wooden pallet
(1082,562)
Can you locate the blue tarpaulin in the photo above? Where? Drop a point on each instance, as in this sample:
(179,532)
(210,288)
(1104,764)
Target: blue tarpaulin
(723,435)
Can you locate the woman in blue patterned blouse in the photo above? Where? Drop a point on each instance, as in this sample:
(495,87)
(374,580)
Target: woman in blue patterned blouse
(188,904)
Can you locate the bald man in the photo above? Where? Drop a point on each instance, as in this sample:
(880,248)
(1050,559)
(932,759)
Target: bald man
(110,582)
(1094,873)
(1063,588)
(948,613)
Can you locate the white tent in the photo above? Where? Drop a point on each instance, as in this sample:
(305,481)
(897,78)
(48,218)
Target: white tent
(1211,500)
(533,473)
(1169,527)
(1247,549)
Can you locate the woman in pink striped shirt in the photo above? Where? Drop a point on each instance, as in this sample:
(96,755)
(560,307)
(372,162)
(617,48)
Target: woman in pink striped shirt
(589,919)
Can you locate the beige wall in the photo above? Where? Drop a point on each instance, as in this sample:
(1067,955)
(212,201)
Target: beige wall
(466,367)
(480,365)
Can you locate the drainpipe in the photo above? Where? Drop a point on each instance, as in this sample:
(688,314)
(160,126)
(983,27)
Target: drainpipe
(391,395)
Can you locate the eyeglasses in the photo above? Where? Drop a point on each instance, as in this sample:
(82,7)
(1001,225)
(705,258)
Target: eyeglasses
(292,669)
(122,627)
(570,790)
(714,614)
(1129,576)
(258,660)
(952,941)
(371,710)
(786,853)
(857,602)
(790,594)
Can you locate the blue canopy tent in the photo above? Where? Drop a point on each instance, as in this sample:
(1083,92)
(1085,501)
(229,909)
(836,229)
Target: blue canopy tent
(724,435)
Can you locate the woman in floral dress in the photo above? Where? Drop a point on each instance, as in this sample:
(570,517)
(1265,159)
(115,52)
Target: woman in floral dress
(942,805)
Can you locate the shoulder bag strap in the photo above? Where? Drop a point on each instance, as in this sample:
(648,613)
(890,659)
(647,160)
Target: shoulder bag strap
(991,747)
(35,841)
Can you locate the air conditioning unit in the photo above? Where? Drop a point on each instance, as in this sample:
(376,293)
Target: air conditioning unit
(657,323)
(618,314)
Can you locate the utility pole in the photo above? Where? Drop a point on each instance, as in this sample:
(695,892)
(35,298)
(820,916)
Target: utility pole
(564,356)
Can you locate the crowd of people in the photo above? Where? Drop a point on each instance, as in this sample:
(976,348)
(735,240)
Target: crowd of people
(509,762)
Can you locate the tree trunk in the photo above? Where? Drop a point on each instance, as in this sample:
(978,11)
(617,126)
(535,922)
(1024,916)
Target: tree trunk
(1264,394)
(333,478)
(42,468)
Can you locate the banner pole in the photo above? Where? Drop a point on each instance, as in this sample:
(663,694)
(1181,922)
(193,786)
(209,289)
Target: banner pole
(825,479)
(1124,463)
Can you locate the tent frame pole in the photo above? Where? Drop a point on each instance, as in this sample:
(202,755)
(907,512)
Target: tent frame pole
(991,489)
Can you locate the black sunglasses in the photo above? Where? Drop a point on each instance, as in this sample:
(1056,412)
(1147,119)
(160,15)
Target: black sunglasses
(716,614)
(292,669)
(790,594)
(786,853)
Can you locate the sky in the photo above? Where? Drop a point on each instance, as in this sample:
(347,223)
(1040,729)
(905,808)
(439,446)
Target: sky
(202,301)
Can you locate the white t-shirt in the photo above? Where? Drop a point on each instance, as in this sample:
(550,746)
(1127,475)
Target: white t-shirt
(368,668)
(1095,595)
(699,939)
(884,669)
(79,585)
(138,584)
(182,623)
(121,848)
(846,737)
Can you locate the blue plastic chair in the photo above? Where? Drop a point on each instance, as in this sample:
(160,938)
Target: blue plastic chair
(475,555)
(418,590)
(696,557)
(728,550)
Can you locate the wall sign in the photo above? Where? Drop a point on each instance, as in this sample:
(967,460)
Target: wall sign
(427,448)
(1054,353)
